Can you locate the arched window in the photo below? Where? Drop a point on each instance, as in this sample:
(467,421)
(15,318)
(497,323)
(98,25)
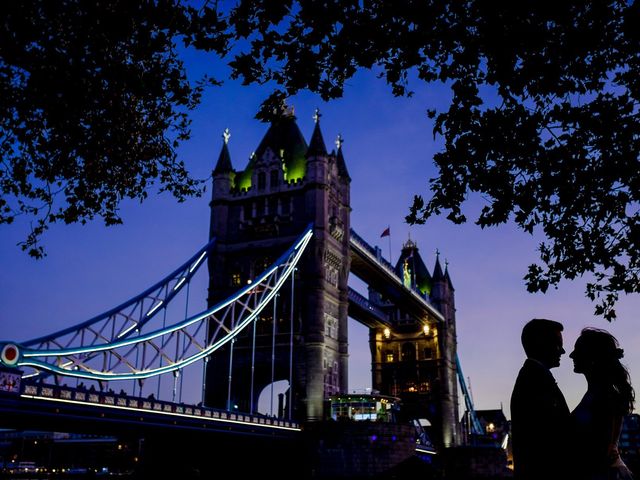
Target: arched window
(273,206)
(286,206)
(275,178)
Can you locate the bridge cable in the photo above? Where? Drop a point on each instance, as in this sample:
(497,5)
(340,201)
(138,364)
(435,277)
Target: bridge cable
(233,340)
(184,337)
(290,393)
(253,363)
(273,349)
(164,325)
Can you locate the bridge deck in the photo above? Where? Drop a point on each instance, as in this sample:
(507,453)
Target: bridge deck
(68,409)
(367,264)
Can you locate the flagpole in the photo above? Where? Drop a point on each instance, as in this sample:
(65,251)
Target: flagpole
(390,259)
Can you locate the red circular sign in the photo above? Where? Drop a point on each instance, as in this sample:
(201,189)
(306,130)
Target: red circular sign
(10,354)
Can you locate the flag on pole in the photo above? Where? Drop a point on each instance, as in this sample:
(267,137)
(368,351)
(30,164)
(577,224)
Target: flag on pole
(386,233)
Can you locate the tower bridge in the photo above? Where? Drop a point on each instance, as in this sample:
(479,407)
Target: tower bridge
(280,254)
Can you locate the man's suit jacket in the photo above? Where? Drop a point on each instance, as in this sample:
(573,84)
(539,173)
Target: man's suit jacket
(539,419)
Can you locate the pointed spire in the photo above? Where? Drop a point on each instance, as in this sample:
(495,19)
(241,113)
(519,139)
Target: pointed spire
(316,145)
(341,164)
(437,270)
(224,160)
(446,274)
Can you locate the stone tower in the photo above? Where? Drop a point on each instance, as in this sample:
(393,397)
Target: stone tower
(443,298)
(414,358)
(256,215)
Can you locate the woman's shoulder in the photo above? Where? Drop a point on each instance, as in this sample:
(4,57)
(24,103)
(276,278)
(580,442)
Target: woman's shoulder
(609,399)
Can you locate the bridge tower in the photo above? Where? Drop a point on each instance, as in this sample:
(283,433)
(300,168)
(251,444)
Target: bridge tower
(413,357)
(256,214)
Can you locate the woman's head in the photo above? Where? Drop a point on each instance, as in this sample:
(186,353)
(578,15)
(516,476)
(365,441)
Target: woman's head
(594,351)
(597,355)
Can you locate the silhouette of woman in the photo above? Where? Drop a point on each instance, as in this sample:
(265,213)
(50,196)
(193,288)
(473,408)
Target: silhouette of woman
(597,420)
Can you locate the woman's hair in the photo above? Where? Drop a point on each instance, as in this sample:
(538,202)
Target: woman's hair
(603,349)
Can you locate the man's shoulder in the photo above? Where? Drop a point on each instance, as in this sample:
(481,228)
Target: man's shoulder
(531,378)
(532,368)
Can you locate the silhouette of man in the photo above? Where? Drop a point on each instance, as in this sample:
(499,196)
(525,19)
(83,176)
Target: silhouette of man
(539,412)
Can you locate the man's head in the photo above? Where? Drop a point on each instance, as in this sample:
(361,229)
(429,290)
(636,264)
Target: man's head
(542,341)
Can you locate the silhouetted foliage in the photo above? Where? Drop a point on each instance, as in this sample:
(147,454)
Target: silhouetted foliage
(542,122)
(94,101)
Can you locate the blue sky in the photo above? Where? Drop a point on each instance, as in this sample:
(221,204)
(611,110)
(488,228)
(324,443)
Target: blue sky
(388,148)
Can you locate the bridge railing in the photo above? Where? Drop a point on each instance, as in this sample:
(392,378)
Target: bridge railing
(375,253)
(366,304)
(123,401)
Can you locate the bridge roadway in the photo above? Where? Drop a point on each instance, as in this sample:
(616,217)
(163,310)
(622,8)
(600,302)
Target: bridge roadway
(61,408)
(368,264)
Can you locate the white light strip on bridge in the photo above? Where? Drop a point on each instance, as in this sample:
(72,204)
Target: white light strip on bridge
(139,410)
(426,450)
(157,306)
(126,331)
(182,280)
(197,262)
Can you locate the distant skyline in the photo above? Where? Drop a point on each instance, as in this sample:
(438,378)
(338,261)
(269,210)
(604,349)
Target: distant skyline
(388,148)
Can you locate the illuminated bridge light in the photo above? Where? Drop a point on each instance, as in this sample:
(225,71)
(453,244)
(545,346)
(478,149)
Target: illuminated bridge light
(195,265)
(155,308)
(119,336)
(182,280)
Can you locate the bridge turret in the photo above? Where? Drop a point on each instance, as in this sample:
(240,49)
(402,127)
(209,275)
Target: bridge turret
(411,268)
(342,165)
(223,175)
(223,172)
(317,158)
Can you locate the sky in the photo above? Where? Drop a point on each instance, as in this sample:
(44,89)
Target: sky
(388,148)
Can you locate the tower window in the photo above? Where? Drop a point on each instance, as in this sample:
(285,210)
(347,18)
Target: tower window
(262,181)
(389,356)
(408,352)
(286,206)
(235,279)
(273,206)
(275,178)
(428,353)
